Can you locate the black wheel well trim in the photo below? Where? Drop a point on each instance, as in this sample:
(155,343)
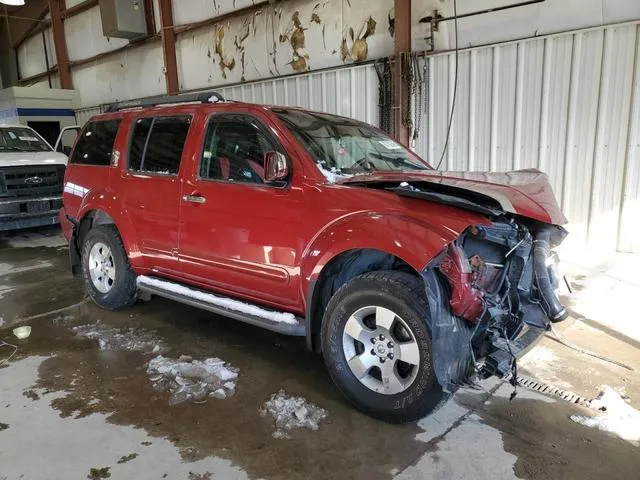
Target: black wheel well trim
(80,229)
(352,263)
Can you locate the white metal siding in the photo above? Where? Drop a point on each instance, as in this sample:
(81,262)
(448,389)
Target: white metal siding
(566,104)
(352,92)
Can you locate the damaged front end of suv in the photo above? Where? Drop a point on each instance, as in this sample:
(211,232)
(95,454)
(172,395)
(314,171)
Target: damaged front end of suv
(492,293)
(494,290)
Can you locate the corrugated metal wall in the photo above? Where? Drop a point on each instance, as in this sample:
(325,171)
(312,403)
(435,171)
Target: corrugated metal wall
(566,104)
(351,91)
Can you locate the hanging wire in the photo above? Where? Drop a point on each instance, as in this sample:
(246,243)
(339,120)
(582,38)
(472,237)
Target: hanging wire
(455,86)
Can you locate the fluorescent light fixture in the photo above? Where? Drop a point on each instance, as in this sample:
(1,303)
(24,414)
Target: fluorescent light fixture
(16,3)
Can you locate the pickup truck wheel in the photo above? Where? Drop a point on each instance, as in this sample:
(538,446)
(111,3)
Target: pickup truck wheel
(107,274)
(377,346)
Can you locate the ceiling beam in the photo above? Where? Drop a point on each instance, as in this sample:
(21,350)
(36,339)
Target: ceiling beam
(27,19)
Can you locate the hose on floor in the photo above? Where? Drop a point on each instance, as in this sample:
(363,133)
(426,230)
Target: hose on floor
(560,339)
(53,312)
(6,360)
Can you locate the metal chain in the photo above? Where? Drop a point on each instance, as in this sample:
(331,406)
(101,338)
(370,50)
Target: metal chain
(411,90)
(383,70)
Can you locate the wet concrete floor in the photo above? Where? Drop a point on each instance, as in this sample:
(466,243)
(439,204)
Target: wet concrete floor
(69,409)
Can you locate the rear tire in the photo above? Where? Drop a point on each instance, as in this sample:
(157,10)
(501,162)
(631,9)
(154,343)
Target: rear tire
(107,274)
(377,346)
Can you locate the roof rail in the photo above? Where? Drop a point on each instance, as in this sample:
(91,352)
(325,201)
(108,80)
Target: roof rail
(200,97)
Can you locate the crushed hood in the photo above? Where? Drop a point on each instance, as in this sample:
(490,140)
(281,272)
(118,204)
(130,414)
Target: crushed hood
(524,192)
(20,159)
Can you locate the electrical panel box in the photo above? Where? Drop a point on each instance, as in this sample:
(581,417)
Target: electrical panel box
(123,18)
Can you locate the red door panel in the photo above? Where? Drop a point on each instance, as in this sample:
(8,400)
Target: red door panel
(238,234)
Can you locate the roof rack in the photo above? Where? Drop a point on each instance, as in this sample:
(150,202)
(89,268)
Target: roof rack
(200,97)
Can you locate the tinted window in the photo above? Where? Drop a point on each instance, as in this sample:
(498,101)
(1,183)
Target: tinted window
(157,144)
(138,141)
(234,150)
(96,143)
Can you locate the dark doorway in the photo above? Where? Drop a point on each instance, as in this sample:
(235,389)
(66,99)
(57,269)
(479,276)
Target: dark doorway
(47,130)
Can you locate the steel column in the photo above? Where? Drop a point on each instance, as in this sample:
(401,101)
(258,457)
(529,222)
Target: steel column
(56,7)
(169,47)
(402,47)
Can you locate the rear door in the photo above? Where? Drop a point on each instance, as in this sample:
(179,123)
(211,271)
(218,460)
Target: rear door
(240,234)
(151,187)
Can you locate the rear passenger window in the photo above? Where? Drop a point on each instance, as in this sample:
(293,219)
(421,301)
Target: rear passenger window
(95,144)
(157,144)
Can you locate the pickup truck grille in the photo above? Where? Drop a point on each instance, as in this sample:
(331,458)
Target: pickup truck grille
(31,181)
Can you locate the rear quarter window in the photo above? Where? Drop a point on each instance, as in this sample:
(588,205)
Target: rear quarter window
(95,144)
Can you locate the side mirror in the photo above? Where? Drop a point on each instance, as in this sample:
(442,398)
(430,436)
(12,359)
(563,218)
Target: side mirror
(275,167)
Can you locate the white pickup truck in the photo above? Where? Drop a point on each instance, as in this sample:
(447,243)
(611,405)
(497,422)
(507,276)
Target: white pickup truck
(31,178)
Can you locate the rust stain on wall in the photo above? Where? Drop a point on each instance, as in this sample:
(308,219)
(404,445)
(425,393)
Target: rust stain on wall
(225,63)
(239,42)
(355,48)
(295,35)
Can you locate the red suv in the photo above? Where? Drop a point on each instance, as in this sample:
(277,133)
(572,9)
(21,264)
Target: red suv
(409,280)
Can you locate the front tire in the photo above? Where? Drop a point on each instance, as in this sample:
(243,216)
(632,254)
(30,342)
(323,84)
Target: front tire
(108,277)
(377,346)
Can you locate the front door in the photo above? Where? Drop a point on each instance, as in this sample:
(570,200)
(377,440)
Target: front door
(151,186)
(239,234)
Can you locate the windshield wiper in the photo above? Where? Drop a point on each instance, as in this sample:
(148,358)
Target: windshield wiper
(398,161)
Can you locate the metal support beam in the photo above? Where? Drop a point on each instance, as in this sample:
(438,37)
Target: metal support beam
(59,43)
(402,48)
(169,47)
(31,17)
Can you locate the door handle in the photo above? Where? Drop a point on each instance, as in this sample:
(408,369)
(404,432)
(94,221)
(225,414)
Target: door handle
(193,198)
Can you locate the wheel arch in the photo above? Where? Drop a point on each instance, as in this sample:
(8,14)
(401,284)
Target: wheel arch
(342,268)
(368,241)
(97,210)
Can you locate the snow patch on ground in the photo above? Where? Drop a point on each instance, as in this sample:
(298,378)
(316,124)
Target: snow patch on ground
(292,412)
(235,305)
(189,379)
(617,417)
(127,339)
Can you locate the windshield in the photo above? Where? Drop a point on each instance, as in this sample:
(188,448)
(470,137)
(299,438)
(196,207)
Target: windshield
(341,146)
(21,139)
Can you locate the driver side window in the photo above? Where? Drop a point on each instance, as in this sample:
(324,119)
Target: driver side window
(234,150)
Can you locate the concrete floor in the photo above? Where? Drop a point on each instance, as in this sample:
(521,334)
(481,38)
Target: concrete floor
(67,406)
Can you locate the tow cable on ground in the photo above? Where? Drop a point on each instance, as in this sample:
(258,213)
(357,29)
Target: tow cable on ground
(560,339)
(52,312)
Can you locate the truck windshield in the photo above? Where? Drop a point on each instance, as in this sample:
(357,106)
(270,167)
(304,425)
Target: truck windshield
(21,139)
(341,146)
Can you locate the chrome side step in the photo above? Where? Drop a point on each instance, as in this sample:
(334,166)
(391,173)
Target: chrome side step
(280,322)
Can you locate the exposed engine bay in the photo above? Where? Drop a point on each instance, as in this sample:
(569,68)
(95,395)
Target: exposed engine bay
(500,282)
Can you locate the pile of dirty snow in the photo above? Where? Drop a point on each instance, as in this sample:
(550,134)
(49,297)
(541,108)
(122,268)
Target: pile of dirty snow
(292,412)
(189,379)
(617,417)
(128,339)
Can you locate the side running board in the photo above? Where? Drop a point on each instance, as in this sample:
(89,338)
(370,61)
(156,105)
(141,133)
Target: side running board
(281,322)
